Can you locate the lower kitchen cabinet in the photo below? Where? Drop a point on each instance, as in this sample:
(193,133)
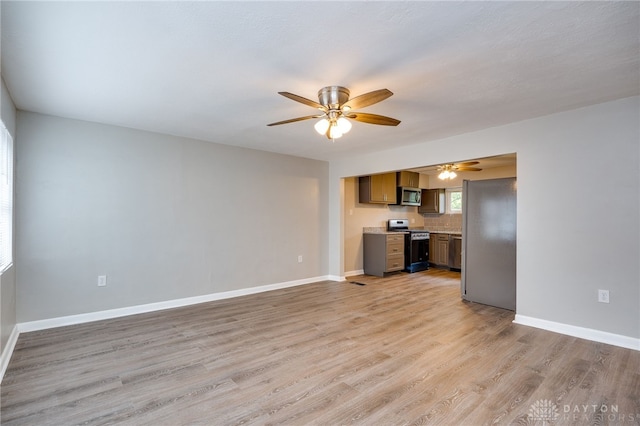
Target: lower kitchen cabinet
(455,252)
(432,248)
(439,249)
(383,253)
(445,250)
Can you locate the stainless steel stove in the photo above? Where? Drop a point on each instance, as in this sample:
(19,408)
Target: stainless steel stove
(416,245)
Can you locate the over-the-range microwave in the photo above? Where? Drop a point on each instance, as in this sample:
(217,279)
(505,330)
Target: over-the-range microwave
(409,196)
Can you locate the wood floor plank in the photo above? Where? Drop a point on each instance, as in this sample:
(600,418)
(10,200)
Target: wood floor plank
(401,349)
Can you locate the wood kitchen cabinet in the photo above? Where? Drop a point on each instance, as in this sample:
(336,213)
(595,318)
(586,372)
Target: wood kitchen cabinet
(408,179)
(455,252)
(378,189)
(439,249)
(433,201)
(432,248)
(445,250)
(383,253)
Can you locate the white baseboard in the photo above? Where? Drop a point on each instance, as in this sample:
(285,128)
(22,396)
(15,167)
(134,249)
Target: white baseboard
(152,307)
(581,332)
(353,273)
(336,278)
(7,351)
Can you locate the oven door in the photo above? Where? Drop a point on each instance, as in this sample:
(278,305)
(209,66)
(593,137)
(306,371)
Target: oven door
(416,255)
(419,251)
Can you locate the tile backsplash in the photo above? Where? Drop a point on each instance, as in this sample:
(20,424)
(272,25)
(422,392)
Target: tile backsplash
(443,222)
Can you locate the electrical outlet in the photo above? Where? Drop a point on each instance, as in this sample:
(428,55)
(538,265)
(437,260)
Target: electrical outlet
(300,259)
(603,296)
(102,280)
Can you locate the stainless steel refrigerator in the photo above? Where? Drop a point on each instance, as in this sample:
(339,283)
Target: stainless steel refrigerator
(489,242)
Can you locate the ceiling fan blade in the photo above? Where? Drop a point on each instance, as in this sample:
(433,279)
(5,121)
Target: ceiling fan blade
(367,99)
(467,169)
(467,163)
(302,100)
(373,119)
(293,120)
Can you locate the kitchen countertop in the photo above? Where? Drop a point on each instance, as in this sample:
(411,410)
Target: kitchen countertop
(446,232)
(380,230)
(383,230)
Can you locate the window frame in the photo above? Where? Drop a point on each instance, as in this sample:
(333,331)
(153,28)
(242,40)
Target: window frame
(6,198)
(448,192)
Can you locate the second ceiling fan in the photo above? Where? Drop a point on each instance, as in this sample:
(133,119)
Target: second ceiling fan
(336,108)
(448,171)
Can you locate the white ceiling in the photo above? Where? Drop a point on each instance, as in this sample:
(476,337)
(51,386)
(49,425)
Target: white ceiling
(212,70)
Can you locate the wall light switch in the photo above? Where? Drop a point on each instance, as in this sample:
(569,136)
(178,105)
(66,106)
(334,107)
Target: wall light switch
(102,280)
(300,259)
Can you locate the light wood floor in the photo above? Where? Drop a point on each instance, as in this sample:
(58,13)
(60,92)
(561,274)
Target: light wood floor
(399,350)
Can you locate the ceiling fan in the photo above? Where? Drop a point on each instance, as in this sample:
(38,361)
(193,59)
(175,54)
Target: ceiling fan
(448,171)
(336,108)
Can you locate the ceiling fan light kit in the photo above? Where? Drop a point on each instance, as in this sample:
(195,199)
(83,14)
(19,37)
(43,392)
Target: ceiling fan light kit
(336,110)
(446,174)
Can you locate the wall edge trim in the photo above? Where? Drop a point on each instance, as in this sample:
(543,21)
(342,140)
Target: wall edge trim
(7,351)
(580,332)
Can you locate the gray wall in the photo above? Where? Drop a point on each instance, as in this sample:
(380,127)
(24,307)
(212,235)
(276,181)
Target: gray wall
(151,212)
(163,217)
(578,209)
(8,277)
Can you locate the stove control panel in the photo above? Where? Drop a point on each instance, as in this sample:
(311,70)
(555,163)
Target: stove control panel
(419,235)
(398,224)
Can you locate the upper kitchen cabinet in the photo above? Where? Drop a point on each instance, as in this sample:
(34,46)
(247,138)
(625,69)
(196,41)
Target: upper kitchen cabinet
(408,179)
(433,201)
(378,189)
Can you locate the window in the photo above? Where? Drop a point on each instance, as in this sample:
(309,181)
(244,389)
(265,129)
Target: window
(6,198)
(454,200)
